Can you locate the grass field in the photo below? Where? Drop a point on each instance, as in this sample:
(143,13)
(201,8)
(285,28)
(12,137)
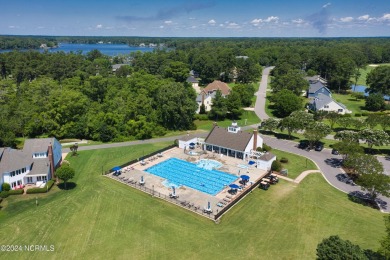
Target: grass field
(296,164)
(103,219)
(248,116)
(356,106)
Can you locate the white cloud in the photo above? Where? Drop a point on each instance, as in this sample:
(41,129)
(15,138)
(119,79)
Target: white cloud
(233,26)
(168,22)
(256,21)
(326,5)
(99,26)
(13,27)
(161,27)
(221,25)
(364,17)
(346,19)
(298,21)
(212,22)
(272,19)
(385,17)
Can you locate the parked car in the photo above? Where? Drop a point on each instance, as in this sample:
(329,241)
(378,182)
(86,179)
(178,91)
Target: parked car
(303,144)
(319,147)
(335,152)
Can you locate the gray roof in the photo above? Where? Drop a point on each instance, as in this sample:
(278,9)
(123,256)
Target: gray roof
(314,87)
(40,167)
(221,137)
(321,100)
(315,78)
(13,159)
(191,79)
(37,145)
(187,138)
(267,157)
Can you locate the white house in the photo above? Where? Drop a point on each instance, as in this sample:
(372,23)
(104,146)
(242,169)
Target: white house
(184,142)
(323,102)
(265,161)
(232,141)
(206,99)
(34,164)
(208,93)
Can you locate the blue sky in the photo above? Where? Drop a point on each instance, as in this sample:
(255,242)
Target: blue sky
(202,18)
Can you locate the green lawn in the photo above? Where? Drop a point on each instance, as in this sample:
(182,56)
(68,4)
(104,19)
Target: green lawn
(363,74)
(296,164)
(104,219)
(356,106)
(248,116)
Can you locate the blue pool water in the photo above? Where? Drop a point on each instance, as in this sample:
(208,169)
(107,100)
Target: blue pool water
(188,174)
(209,164)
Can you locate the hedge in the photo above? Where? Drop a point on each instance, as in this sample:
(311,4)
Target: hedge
(47,187)
(16,192)
(4,194)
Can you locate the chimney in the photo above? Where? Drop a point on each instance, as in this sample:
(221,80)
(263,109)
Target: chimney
(254,139)
(51,159)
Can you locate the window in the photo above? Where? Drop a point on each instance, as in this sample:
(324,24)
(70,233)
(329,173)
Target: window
(39,178)
(24,170)
(13,185)
(29,180)
(44,178)
(340,110)
(19,182)
(326,106)
(12,174)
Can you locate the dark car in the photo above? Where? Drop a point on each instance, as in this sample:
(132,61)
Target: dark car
(303,144)
(319,147)
(335,152)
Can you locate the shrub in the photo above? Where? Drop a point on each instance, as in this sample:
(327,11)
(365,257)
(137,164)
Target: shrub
(266,148)
(358,115)
(365,114)
(276,166)
(284,160)
(4,194)
(36,190)
(50,184)
(201,117)
(16,192)
(5,187)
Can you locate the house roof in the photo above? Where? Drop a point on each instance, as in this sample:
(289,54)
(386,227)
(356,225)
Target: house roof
(315,78)
(187,138)
(37,145)
(217,85)
(40,167)
(314,87)
(321,100)
(267,157)
(192,79)
(221,137)
(14,159)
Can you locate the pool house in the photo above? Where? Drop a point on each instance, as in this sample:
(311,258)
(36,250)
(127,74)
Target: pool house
(232,141)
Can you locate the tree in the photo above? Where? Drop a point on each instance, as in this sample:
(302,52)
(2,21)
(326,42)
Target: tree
(286,102)
(293,81)
(74,149)
(335,248)
(345,122)
(202,109)
(379,80)
(347,148)
(65,173)
(218,108)
(233,103)
(5,187)
(315,131)
(290,124)
(176,70)
(375,183)
(374,137)
(347,136)
(375,102)
(270,124)
(333,118)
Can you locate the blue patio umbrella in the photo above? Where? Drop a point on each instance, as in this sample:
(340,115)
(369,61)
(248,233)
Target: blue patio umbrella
(173,191)
(142,178)
(234,186)
(116,168)
(208,205)
(245,177)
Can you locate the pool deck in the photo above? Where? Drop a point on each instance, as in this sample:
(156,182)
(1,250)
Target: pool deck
(195,197)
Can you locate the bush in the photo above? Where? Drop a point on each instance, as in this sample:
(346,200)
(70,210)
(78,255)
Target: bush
(365,114)
(4,194)
(266,148)
(5,187)
(47,187)
(276,166)
(16,192)
(358,115)
(201,117)
(284,160)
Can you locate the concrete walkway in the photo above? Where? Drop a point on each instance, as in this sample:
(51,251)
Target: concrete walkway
(300,177)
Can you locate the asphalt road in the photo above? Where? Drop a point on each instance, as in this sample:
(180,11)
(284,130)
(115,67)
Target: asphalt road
(261,94)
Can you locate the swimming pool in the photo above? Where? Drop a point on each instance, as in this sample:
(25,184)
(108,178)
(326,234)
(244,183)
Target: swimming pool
(188,174)
(208,164)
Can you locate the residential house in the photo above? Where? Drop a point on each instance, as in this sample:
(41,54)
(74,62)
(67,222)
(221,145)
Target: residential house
(208,93)
(323,102)
(34,164)
(317,78)
(194,83)
(318,88)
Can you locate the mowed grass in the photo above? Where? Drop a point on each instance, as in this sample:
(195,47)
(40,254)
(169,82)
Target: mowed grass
(296,164)
(104,219)
(352,104)
(248,117)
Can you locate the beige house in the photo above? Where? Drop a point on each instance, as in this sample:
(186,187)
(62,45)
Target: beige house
(208,93)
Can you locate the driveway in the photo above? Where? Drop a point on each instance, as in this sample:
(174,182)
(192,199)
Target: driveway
(261,94)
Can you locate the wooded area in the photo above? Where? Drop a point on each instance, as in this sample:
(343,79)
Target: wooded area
(79,96)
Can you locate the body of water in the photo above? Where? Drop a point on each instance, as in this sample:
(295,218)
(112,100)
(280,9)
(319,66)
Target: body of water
(362,89)
(106,49)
